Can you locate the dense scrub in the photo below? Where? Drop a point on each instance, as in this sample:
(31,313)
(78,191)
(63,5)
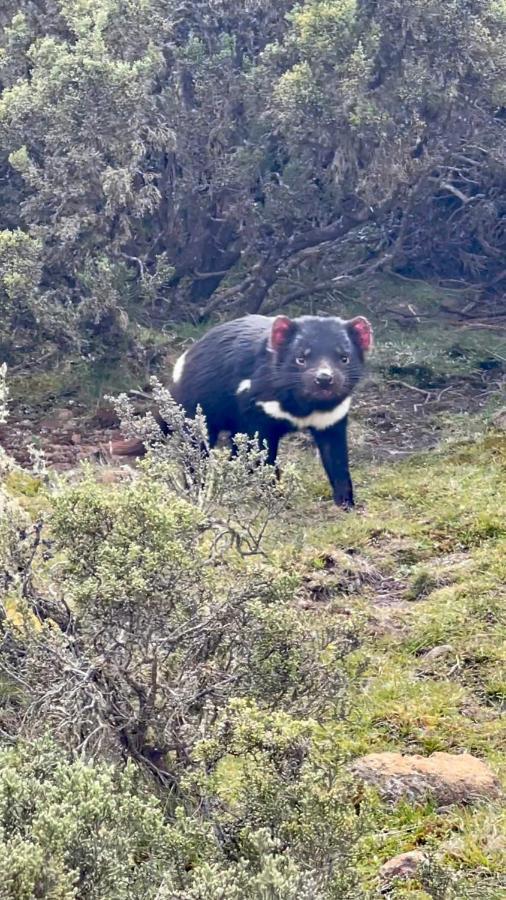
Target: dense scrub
(160,161)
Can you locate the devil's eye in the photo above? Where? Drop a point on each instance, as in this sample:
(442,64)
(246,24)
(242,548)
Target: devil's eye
(301,360)
(345,358)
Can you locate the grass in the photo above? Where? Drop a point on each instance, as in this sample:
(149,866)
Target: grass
(424,558)
(80,380)
(437,355)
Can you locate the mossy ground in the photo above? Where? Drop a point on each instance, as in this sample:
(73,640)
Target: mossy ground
(423,560)
(421,563)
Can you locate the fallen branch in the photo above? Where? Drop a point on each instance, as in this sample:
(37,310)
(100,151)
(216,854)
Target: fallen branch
(354,275)
(410,387)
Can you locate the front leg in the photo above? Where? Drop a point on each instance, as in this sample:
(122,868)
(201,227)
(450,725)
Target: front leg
(332,444)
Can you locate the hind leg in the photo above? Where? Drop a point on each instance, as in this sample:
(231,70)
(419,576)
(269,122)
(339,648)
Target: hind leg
(213,434)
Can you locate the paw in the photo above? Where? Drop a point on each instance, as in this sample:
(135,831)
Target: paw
(343,497)
(345,503)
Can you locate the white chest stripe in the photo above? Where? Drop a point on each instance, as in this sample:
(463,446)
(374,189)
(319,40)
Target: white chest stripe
(244,385)
(177,371)
(319,420)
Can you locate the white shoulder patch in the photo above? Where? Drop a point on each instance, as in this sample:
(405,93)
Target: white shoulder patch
(318,419)
(177,371)
(245,385)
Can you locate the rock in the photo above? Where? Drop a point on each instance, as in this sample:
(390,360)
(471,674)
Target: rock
(59,419)
(75,437)
(437,652)
(449,778)
(499,419)
(406,865)
(105,417)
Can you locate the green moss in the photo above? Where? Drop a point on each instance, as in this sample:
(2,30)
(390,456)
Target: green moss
(21,484)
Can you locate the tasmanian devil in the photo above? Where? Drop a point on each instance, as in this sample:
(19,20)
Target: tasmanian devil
(270,376)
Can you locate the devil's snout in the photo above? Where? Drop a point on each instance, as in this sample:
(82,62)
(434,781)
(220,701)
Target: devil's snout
(324,377)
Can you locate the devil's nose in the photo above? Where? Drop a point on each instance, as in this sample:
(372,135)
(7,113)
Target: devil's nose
(324,378)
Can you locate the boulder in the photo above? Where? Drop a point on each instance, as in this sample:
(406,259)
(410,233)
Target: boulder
(448,778)
(406,865)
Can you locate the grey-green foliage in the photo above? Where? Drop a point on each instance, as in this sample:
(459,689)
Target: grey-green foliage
(16,529)
(266,774)
(159,625)
(71,830)
(239,497)
(155,157)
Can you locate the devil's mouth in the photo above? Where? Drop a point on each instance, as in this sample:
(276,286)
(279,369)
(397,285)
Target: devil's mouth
(324,397)
(325,393)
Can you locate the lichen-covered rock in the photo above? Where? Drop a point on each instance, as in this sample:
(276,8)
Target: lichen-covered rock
(449,778)
(406,865)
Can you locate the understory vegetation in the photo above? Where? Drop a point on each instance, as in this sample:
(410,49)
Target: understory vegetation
(189,671)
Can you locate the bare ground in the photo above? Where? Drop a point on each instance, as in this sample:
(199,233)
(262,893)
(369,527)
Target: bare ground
(391,419)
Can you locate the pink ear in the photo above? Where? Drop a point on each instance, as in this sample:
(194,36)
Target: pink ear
(282,327)
(362,332)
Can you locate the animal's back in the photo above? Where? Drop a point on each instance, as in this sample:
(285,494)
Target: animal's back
(211,371)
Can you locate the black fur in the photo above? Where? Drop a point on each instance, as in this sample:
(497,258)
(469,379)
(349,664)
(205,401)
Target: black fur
(308,365)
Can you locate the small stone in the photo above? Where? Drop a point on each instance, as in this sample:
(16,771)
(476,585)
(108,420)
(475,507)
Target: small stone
(58,419)
(406,865)
(447,777)
(479,713)
(75,437)
(499,419)
(437,652)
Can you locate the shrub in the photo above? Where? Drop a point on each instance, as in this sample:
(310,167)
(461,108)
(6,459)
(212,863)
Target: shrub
(71,830)
(159,622)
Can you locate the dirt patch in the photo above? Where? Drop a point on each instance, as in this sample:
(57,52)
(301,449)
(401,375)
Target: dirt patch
(393,419)
(390,419)
(64,444)
(344,576)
